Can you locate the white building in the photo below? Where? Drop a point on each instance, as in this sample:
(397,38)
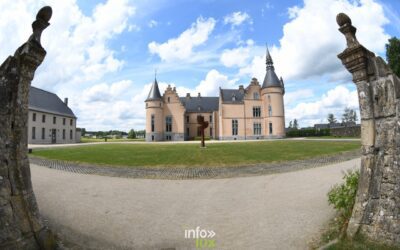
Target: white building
(50,119)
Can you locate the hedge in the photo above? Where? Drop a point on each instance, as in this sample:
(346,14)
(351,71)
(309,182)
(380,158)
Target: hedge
(308,132)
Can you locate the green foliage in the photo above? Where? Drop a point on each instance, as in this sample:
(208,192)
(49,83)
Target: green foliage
(393,55)
(349,115)
(295,124)
(308,132)
(132,134)
(331,118)
(343,196)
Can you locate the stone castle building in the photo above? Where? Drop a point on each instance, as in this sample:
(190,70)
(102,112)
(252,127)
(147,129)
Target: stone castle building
(254,112)
(50,120)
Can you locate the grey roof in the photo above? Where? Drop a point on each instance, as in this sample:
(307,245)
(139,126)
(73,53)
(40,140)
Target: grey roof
(44,101)
(228,94)
(271,79)
(154,93)
(200,104)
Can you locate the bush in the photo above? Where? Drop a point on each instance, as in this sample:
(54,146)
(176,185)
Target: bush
(343,196)
(308,132)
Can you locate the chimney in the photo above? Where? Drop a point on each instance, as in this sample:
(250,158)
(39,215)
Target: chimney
(198,95)
(241,89)
(188,96)
(66,101)
(174,89)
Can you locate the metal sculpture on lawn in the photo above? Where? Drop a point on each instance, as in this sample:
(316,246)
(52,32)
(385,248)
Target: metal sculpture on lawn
(202,126)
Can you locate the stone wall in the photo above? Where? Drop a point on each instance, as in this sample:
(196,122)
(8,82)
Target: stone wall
(353,131)
(377,208)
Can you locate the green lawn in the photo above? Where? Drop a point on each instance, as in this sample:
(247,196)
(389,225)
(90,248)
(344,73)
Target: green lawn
(216,154)
(85,140)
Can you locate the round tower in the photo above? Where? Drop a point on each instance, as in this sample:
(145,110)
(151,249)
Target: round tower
(272,93)
(154,114)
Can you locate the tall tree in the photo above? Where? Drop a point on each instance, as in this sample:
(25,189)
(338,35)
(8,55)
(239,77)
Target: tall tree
(132,134)
(346,115)
(295,124)
(393,55)
(331,118)
(290,124)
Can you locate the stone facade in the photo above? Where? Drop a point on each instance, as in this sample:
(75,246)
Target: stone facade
(20,224)
(254,112)
(377,208)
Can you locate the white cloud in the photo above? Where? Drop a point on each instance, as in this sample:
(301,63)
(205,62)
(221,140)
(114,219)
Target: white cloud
(152,23)
(334,101)
(237,18)
(76,44)
(237,57)
(181,48)
(298,95)
(213,81)
(311,40)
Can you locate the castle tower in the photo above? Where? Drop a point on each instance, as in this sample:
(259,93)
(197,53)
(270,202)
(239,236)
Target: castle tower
(154,114)
(272,92)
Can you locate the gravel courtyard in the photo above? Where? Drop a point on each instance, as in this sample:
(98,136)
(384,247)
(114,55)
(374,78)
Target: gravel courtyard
(277,211)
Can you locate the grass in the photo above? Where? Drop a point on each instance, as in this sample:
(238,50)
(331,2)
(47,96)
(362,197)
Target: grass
(332,137)
(360,243)
(86,140)
(185,154)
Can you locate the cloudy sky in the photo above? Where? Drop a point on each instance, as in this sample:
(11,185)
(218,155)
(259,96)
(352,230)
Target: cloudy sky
(102,54)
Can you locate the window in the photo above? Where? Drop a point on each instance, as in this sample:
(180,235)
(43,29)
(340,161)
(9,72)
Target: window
(152,138)
(34,117)
(256,96)
(233,98)
(169,99)
(234,127)
(168,123)
(270,128)
(211,134)
(64,121)
(43,133)
(63,134)
(211,119)
(257,128)
(269,110)
(43,118)
(70,134)
(187,119)
(152,124)
(168,138)
(71,122)
(187,132)
(33,133)
(54,120)
(257,111)
(269,98)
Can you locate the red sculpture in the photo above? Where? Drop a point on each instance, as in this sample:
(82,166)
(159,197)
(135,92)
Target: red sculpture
(203,125)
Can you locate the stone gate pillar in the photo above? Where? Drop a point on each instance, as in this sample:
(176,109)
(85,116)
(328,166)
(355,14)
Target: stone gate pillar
(20,224)
(376,213)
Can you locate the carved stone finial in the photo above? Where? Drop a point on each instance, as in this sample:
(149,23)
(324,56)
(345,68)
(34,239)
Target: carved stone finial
(348,30)
(41,23)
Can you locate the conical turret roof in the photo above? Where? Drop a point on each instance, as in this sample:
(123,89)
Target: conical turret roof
(270,79)
(154,93)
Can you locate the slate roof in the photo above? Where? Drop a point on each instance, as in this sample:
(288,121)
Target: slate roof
(44,101)
(228,94)
(200,104)
(271,79)
(154,93)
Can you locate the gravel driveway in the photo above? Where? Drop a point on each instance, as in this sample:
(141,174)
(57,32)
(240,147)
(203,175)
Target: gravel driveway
(277,211)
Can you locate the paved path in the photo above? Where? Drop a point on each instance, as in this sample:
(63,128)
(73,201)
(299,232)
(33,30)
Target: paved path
(278,211)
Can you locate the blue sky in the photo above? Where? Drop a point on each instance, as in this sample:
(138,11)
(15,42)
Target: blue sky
(103,54)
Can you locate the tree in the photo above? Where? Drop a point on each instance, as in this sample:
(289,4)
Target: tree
(290,124)
(353,116)
(349,116)
(393,55)
(331,118)
(132,134)
(295,124)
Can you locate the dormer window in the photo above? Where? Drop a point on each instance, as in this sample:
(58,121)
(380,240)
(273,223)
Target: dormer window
(233,98)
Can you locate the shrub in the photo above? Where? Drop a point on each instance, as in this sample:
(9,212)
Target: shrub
(343,196)
(308,132)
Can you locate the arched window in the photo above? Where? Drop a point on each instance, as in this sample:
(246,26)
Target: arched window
(269,110)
